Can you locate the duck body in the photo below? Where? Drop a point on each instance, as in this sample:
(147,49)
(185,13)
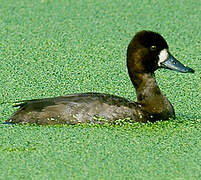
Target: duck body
(93,108)
(146,52)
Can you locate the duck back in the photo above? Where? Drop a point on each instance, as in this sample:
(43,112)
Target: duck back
(94,108)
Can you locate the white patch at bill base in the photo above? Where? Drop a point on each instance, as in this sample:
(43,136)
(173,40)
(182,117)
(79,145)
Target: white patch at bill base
(163,55)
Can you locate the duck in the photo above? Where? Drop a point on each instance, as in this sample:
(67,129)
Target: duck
(146,52)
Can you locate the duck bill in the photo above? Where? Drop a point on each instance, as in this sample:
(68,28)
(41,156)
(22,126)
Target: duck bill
(173,64)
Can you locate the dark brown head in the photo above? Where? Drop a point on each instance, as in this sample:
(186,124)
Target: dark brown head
(149,51)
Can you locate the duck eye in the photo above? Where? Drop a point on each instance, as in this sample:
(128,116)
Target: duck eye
(153,48)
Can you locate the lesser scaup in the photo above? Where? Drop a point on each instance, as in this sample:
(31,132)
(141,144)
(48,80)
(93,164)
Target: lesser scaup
(147,52)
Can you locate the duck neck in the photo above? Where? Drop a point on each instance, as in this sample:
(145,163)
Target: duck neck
(150,97)
(147,90)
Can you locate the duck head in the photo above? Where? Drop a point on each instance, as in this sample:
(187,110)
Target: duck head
(148,51)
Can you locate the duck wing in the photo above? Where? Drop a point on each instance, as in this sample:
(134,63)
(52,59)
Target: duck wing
(95,108)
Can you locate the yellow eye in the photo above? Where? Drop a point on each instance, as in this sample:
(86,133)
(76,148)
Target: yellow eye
(153,48)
